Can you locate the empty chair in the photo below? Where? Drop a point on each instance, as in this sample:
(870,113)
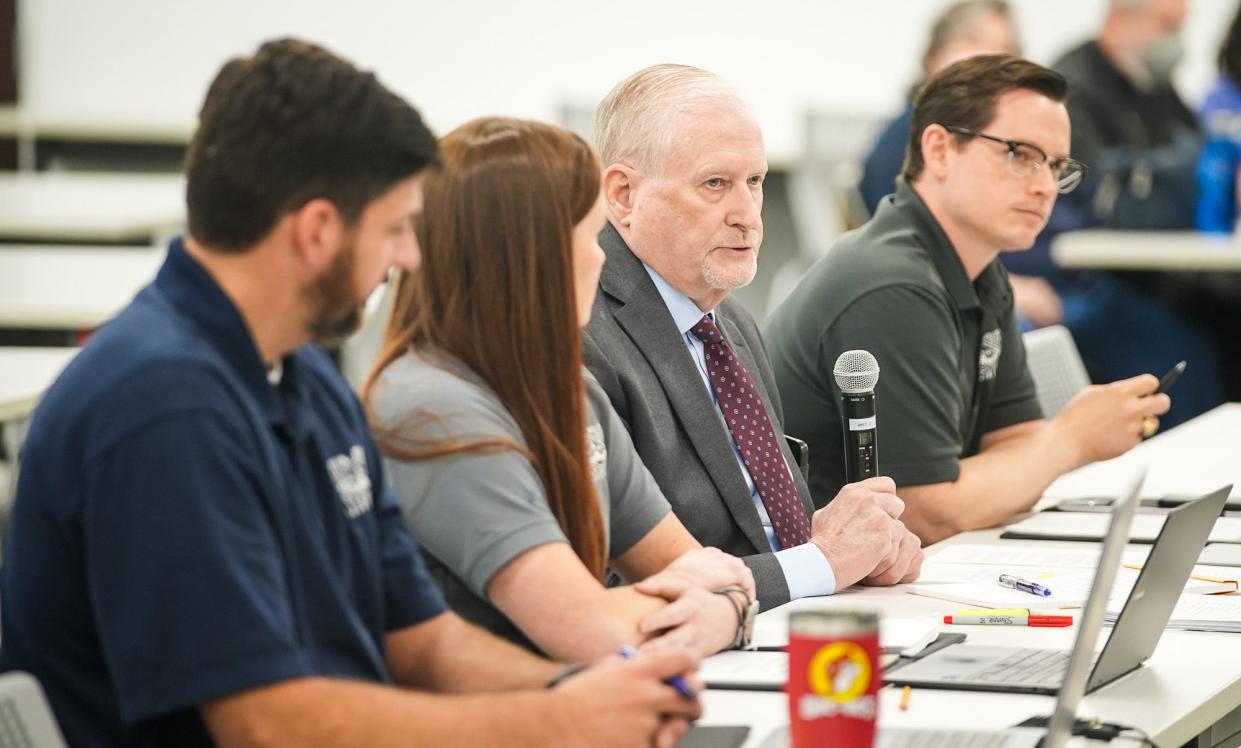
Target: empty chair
(1055,366)
(26,720)
(359,351)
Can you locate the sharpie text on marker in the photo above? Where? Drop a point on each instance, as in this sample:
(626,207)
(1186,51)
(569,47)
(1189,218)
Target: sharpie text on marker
(1011,620)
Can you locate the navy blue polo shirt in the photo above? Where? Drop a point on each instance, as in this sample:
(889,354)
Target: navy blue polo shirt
(184,529)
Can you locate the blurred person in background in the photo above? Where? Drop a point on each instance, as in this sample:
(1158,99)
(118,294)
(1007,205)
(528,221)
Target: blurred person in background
(1224,98)
(963,29)
(1218,305)
(1142,144)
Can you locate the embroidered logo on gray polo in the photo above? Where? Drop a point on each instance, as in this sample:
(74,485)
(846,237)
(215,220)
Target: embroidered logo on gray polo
(989,355)
(352,481)
(597,452)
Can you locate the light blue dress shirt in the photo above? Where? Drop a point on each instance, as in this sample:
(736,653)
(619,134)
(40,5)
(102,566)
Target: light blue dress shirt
(806,569)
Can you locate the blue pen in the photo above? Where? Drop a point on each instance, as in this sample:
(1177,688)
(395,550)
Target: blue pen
(1016,583)
(677,682)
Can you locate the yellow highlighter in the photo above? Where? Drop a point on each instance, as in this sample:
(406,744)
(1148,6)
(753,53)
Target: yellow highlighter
(1010,612)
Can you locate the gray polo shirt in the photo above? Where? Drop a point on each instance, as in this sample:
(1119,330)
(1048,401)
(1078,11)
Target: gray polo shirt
(953,366)
(474,512)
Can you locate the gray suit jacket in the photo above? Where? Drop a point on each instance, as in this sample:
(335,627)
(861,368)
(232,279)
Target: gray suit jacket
(639,357)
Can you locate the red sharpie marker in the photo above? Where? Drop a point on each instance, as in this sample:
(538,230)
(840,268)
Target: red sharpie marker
(1002,618)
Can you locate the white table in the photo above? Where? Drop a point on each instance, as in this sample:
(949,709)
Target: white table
(1194,458)
(765,712)
(70,287)
(1191,682)
(1147,250)
(90,207)
(1190,688)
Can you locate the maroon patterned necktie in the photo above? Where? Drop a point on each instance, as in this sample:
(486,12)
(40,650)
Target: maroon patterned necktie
(751,430)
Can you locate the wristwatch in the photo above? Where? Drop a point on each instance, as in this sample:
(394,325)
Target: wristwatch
(747,611)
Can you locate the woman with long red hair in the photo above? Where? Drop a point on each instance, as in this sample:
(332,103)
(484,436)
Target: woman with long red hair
(518,479)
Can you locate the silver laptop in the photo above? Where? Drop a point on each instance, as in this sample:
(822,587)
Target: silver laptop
(887,737)
(1136,633)
(1059,729)
(25,719)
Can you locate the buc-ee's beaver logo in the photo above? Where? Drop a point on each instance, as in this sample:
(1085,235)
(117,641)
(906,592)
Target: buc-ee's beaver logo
(839,678)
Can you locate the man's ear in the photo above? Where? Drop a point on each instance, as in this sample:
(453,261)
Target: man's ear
(318,231)
(936,144)
(619,184)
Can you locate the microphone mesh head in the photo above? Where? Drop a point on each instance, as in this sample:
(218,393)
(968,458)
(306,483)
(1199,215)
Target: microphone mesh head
(856,371)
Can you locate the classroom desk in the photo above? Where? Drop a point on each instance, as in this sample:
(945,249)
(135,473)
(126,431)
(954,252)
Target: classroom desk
(1196,457)
(1190,687)
(1147,250)
(60,287)
(90,207)
(1190,690)
(764,712)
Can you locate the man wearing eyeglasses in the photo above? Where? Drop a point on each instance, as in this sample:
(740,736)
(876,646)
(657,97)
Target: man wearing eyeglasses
(921,287)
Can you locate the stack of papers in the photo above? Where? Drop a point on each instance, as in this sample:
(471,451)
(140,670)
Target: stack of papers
(1200,613)
(1221,554)
(746,671)
(1203,580)
(907,636)
(1070,588)
(903,636)
(968,574)
(769,671)
(1091,526)
(1009,554)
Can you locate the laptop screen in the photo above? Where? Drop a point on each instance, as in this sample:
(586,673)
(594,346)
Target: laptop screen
(1142,620)
(1061,725)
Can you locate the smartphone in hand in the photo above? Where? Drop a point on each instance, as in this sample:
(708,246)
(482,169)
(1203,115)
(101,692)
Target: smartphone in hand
(1169,379)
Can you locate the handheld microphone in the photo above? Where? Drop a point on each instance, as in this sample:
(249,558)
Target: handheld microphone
(856,374)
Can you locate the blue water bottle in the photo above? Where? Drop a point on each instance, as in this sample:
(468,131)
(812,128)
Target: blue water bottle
(1216,208)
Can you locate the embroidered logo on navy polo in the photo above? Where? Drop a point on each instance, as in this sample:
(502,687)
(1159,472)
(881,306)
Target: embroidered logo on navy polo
(352,481)
(989,355)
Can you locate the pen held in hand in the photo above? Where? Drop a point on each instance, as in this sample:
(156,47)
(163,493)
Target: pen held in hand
(678,683)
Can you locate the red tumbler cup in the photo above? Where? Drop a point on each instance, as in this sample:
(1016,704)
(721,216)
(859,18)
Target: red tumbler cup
(834,678)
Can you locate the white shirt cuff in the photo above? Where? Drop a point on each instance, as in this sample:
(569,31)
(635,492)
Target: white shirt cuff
(806,571)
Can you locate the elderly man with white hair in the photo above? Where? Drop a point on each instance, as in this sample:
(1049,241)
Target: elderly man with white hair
(685,366)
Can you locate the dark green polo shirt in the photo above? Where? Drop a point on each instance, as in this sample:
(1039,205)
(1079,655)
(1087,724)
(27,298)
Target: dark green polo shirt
(952,364)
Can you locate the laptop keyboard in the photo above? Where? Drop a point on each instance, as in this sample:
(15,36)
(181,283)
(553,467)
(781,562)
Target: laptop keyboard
(942,739)
(1027,667)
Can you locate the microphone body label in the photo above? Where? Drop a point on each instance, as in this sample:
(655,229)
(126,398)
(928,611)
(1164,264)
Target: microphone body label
(861,436)
(861,424)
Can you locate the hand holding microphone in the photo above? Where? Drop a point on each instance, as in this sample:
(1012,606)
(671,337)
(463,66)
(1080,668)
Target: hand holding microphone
(859,531)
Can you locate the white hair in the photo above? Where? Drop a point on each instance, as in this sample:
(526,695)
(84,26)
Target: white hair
(636,122)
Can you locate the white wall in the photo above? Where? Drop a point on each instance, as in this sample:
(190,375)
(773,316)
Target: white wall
(145,64)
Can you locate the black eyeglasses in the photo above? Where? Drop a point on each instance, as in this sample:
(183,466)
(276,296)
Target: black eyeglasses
(1024,159)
